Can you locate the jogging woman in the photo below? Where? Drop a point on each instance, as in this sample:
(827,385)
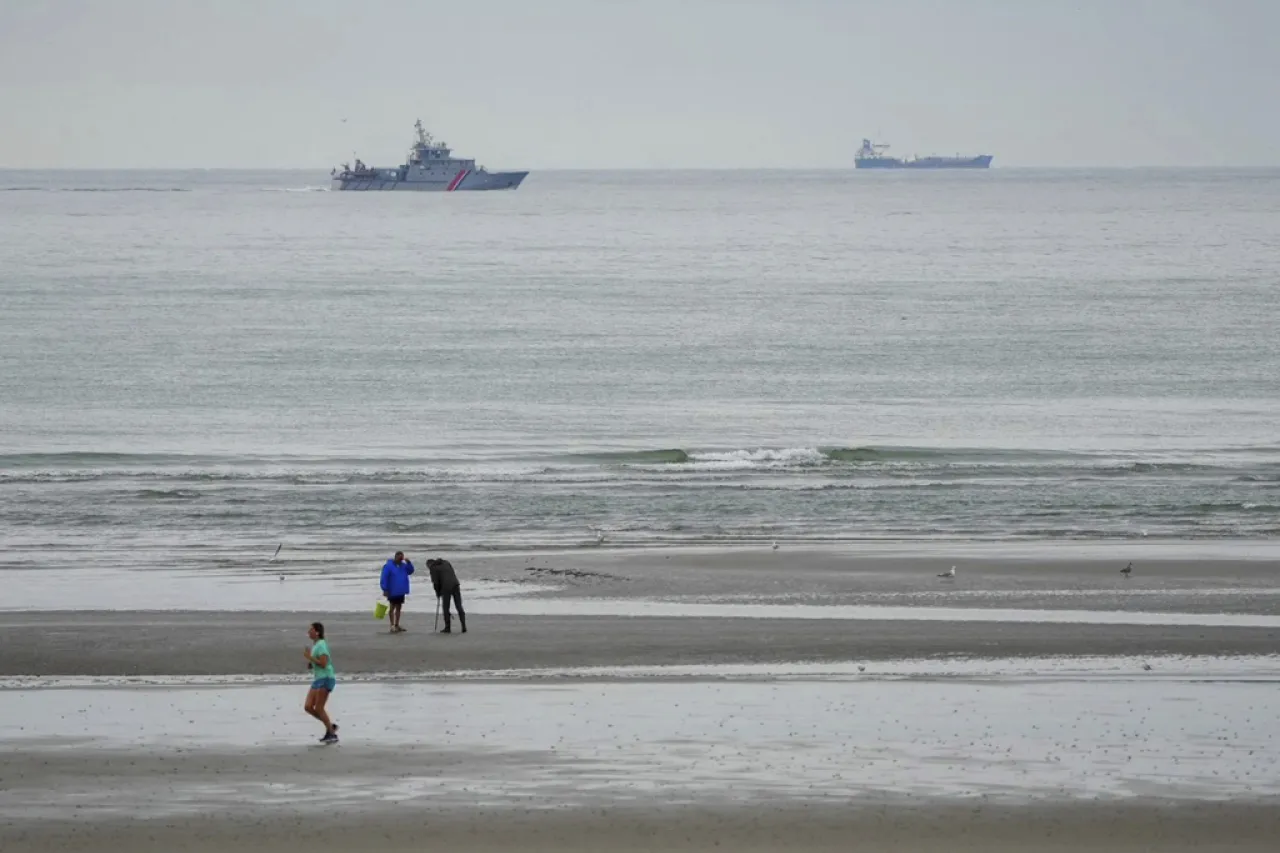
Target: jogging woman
(322,681)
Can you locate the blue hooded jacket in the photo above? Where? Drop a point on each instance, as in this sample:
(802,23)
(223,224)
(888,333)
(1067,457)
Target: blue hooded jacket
(395,579)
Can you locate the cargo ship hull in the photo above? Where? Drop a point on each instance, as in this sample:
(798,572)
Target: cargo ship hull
(871,156)
(982,161)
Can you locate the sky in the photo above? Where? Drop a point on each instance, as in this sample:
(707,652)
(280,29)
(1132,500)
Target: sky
(566,84)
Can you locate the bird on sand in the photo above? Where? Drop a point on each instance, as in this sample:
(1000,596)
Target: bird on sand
(1127,570)
(775,544)
(949,573)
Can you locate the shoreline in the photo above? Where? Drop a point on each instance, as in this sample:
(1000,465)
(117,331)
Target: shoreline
(1239,668)
(592,581)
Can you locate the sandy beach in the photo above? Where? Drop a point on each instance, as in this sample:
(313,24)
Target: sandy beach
(1108,828)
(656,701)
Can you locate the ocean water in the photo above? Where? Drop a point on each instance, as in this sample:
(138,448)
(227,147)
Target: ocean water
(197,366)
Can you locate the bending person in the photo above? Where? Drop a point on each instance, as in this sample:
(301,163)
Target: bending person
(445,581)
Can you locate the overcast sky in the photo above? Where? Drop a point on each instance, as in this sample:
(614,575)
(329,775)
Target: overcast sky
(616,83)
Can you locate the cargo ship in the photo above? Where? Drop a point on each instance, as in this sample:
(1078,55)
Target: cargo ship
(871,156)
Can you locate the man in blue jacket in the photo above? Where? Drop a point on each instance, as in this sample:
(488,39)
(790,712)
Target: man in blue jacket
(395,586)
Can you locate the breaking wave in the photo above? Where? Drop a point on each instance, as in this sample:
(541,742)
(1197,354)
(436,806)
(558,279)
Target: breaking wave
(650,496)
(824,455)
(942,464)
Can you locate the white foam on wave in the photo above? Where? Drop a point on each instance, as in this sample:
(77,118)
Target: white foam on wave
(760,459)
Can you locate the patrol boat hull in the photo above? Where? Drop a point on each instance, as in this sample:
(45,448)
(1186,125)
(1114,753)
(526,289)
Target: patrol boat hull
(464,180)
(430,167)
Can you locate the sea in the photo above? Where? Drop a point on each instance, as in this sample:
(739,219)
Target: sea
(197,367)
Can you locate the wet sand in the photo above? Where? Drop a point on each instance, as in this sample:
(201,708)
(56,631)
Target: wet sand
(151,643)
(1240,827)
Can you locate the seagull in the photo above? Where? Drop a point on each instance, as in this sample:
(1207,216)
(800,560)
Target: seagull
(1147,667)
(949,573)
(1127,570)
(277,553)
(599,532)
(775,544)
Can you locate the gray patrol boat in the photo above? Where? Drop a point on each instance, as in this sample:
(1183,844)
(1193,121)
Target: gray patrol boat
(431,167)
